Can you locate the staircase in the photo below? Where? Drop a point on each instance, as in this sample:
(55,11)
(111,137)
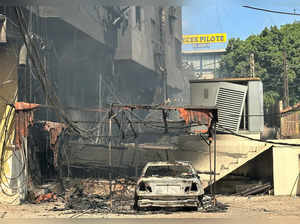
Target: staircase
(226,167)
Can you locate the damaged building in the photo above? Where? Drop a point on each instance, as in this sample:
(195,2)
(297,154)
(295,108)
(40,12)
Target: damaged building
(97,91)
(66,61)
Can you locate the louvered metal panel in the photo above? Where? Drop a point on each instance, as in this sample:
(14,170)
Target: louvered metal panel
(230,102)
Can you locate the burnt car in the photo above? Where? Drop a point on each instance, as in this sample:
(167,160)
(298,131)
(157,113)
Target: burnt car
(168,184)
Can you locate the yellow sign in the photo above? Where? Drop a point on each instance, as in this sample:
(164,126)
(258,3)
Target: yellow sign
(204,38)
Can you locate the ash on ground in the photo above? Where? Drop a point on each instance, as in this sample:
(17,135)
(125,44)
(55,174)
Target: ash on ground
(93,196)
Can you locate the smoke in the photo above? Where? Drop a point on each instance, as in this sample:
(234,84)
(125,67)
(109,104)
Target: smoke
(190,11)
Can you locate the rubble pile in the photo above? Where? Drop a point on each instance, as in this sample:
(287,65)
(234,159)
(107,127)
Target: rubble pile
(41,195)
(209,205)
(255,189)
(93,196)
(46,197)
(119,187)
(80,201)
(90,196)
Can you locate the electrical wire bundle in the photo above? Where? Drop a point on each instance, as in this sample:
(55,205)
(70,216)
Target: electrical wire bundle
(17,155)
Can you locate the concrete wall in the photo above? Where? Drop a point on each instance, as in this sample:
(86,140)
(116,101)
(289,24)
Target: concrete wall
(140,42)
(88,16)
(8,74)
(286,170)
(12,175)
(259,168)
(13,172)
(137,78)
(136,47)
(175,79)
(135,43)
(139,45)
(189,148)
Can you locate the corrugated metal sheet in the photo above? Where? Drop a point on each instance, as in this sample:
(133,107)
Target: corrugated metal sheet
(230,102)
(290,124)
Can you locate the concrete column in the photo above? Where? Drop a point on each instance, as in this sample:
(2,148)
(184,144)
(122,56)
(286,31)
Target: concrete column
(286,170)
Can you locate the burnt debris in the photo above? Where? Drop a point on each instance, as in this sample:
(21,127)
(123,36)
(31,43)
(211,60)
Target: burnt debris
(91,196)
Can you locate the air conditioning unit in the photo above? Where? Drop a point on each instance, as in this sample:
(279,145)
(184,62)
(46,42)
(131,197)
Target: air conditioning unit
(3,29)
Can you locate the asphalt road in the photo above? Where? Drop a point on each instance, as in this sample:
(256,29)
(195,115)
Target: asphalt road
(241,210)
(241,220)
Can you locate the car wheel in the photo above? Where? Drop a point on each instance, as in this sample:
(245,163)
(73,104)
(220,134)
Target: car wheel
(200,198)
(193,208)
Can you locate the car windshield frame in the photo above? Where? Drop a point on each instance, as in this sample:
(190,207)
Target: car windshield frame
(171,170)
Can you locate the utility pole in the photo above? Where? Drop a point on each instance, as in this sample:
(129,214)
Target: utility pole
(165,85)
(252,65)
(162,63)
(215,161)
(111,116)
(285,82)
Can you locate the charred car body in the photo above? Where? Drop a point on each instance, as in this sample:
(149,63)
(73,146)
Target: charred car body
(165,184)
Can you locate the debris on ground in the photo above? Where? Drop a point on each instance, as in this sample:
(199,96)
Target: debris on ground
(209,205)
(46,197)
(80,201)
(41,195)
(3,215)
(256,189)
(93,196)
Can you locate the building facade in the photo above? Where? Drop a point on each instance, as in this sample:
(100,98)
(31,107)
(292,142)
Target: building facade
(204,62)
(147,49)
(93,56)
(96,55)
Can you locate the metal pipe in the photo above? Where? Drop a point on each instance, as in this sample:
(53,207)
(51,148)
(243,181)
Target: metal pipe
(207,172)
(109,163)
(244,117)
(110,157)
(210,170)
(135,162)
(109,144)
(165,85)
(215,162)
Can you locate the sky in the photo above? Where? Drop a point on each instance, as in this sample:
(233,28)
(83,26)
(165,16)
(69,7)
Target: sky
(228,16)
